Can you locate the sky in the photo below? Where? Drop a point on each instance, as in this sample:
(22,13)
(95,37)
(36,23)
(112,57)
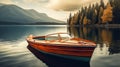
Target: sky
(57,9)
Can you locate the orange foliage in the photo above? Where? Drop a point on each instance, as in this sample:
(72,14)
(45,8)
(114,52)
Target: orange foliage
(86,21)
(107,14)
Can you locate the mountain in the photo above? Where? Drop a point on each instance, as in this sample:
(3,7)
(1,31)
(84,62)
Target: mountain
(10,14)
(1,4)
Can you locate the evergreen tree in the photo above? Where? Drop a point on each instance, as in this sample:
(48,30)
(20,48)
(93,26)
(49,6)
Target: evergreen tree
(97,9)
(100,15)
(69,20)
(81,19)
(89,13)
(97,14)
(102,4)
(97,6)
(78,18)
(94,16)
(111,2)
(116,12)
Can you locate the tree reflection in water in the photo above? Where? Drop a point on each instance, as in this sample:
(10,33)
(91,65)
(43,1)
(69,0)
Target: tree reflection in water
(114,47)
(104,37)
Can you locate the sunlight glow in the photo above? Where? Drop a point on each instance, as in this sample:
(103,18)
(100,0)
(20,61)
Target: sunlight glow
(57,9)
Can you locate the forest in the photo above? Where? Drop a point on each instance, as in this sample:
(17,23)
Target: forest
(98,13)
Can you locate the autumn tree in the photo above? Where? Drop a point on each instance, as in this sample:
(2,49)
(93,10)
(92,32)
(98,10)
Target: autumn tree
(98,13)
(86,20)
(76,18)
(107,14)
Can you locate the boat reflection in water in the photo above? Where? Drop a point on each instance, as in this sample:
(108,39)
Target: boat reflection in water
(56,61)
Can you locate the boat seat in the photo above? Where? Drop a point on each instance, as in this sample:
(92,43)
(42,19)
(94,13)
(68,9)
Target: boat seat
(40,38)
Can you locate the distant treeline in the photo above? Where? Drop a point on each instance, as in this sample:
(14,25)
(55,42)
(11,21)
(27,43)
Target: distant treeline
(35,23)
(98,13)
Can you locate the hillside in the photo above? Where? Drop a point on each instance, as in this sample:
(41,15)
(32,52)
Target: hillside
(12,14)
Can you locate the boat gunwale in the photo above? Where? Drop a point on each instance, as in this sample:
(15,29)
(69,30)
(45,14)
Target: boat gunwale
(34,38)
(60,45)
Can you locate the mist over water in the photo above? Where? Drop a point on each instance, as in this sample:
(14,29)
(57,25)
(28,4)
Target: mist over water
(15,52)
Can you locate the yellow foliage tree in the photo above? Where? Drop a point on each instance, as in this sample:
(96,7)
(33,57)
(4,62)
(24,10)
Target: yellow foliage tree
(74,19)
(107,14)
(86,20)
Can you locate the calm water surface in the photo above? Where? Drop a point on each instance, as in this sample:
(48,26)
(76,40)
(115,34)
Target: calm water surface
(15,52)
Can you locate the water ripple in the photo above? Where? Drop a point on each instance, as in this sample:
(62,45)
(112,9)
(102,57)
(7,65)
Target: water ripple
(18,56)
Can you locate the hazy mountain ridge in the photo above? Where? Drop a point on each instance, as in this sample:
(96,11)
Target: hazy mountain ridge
(1,4)
(14,14)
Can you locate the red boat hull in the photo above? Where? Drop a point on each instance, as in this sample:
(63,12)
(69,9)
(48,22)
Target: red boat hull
(63,50)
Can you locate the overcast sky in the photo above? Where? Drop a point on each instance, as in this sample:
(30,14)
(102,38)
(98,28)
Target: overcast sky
(58,9)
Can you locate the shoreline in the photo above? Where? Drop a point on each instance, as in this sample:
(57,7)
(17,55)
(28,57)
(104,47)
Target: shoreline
(98,25)
(94,25)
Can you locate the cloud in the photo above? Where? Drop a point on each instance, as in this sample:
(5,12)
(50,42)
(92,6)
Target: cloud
(35,1)
(26,2)
(69,5)
(6,1)
(65,5)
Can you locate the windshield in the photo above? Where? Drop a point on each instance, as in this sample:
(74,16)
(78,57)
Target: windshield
(51,37)
(57,37)
(64,36)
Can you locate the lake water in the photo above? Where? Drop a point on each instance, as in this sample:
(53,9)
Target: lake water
(15,52)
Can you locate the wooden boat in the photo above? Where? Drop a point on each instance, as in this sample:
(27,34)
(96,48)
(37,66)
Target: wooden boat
(62,44)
